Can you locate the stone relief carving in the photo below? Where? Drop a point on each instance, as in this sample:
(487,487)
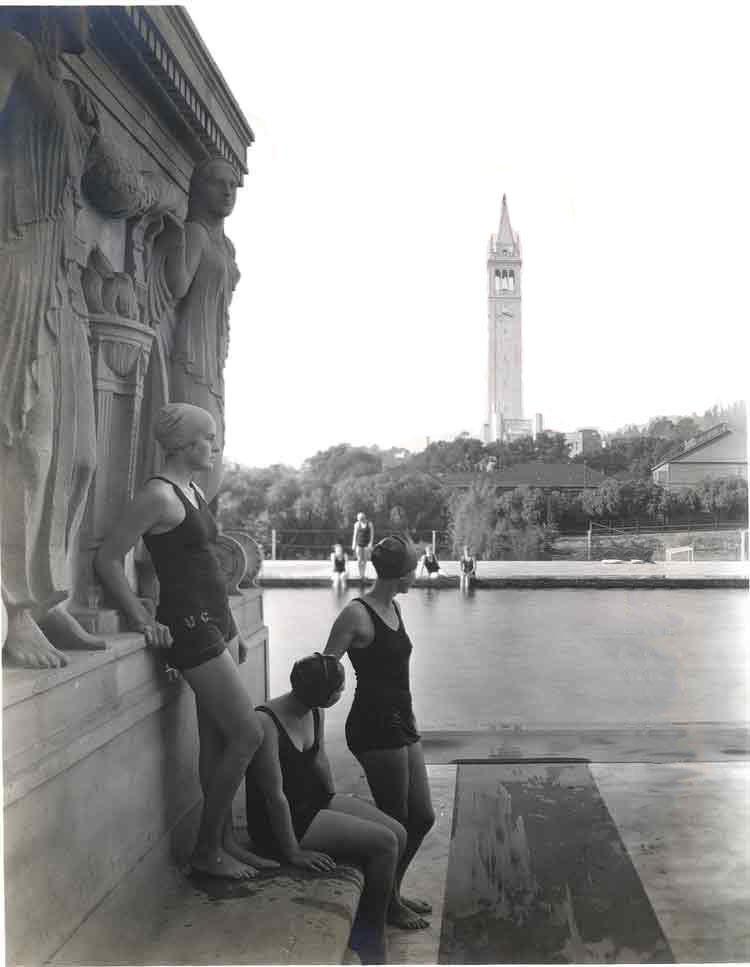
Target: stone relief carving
(46,397)
(192,278)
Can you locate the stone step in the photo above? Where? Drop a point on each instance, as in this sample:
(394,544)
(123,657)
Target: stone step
(158,914)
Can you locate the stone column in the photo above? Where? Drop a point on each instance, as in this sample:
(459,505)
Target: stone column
(120,351)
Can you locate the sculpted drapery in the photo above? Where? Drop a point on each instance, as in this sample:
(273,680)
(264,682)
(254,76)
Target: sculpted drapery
(46,399)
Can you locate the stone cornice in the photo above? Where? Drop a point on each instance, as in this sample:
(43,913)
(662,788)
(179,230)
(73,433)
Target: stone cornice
(170,47)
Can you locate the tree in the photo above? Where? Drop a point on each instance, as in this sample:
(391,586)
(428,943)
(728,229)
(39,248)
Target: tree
(472,519)
(340,462)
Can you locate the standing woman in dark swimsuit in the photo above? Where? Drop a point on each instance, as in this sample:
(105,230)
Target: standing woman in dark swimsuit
(193,624)
(363,536)
(380,729)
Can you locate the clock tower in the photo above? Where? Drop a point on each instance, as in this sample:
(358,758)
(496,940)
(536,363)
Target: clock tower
(504,384)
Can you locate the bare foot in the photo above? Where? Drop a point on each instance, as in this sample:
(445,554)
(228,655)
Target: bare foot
(418,906)
(401,916)
(244,855)
(220,863)
(63,629)
(26,645)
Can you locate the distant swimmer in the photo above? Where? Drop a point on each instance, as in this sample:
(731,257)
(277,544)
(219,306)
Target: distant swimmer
(468,568)
(429,563)
(339,562)
(363,538)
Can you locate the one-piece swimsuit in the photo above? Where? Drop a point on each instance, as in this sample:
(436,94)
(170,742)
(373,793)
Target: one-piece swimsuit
(381,716)
(303,788)
(193,601)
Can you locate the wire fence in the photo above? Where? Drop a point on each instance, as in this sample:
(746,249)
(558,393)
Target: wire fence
(317,544)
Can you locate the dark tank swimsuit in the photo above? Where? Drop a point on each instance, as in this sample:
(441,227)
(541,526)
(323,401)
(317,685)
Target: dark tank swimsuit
(193,600)
(303,788)
(339,564)
(432,565)
(381,716)
(363,536)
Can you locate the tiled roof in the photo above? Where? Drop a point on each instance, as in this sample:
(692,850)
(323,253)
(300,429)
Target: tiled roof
(690,446)
(549,475)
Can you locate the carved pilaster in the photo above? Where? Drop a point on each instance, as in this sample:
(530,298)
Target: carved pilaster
(120,351)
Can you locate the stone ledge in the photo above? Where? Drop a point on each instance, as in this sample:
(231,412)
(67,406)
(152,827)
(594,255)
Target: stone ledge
(158,915)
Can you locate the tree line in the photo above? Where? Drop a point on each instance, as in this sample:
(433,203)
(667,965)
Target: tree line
(402,491)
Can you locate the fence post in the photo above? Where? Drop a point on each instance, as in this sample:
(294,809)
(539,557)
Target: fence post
(433,543)
(273,544)
(588,542)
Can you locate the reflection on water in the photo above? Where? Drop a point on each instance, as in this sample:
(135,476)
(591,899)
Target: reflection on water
(538,658)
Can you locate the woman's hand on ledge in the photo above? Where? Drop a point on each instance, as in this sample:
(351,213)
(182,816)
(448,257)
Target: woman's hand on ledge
(156,635)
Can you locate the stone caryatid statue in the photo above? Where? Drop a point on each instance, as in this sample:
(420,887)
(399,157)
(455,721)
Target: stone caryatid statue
(47,428)
(193,276)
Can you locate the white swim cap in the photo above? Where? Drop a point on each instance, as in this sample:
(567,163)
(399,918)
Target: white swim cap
(179,424)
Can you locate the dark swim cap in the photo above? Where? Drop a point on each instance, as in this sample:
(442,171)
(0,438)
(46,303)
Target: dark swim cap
(393,557)
(315,678)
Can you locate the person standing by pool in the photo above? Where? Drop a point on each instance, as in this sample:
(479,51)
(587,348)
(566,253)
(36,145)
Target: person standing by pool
(429,563)
(339,562)
(193,624)
(468,568)
(363,537)
(380,729)
(294,812)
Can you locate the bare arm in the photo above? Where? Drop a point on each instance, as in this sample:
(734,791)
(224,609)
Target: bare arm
(372,536)
(142,514)
(354,539)
(186,248)
(352,629)
(322,765)
(266,772)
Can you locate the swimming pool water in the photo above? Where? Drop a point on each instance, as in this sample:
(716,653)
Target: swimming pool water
(546,658)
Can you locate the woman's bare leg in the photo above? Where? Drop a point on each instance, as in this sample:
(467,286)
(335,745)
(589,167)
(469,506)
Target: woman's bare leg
(222,697)
(375,846)
(210,751)
(388,775)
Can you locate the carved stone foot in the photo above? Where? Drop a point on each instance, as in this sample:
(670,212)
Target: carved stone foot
(27,647)
(63,629)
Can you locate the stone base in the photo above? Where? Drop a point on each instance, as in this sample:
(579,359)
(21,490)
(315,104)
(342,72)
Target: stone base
(100,763)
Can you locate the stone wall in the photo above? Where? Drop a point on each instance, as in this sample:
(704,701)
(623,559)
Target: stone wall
(113,116)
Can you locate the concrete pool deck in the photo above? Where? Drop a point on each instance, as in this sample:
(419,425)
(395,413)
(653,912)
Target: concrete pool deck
(536,574)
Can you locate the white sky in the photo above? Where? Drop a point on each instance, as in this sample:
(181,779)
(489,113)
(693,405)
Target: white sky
(386,135)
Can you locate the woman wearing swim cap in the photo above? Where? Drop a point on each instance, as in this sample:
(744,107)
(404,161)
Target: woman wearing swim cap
(294,812)
(380,728)
(193,624)
(362,537)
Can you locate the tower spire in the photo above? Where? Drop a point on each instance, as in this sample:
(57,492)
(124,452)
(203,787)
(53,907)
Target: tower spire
(505,234)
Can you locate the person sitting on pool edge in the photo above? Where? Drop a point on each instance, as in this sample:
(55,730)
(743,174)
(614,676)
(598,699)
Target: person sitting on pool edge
(363,536)
(339,562)
(467,567)
(430,563)
(381,731)
(295,814)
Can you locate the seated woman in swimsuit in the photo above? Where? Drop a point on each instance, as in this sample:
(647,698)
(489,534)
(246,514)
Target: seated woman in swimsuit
(467,567)
(294,812)
(193,624)
(339,562)
(380,729)
(429,563)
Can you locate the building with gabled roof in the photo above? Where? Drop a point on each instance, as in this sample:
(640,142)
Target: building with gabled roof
(717,452)
(568,477)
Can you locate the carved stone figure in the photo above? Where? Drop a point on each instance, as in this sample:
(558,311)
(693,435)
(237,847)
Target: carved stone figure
(47,435)
(192,280)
